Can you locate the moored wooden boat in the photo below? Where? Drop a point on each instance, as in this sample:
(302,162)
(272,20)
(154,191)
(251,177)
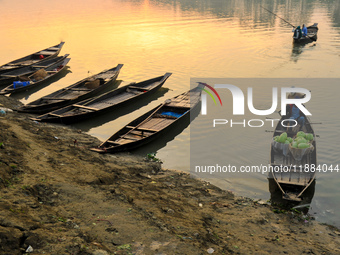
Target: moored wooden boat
(40,76)
(34,58)
(76,92)
(152,124)
(21,74)
(293,175)
(109,101)
(312,35)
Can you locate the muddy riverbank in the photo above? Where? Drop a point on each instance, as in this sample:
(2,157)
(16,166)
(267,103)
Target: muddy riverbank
(57,197)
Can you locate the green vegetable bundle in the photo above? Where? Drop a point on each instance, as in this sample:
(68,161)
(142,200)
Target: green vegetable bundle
(301,141)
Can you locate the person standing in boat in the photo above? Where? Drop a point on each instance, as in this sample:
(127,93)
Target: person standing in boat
(304,30)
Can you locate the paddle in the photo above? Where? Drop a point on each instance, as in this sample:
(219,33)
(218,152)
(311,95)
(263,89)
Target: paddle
(311,38)
(279,17)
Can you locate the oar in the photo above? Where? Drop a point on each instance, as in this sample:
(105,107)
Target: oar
(279,17)
(312,38)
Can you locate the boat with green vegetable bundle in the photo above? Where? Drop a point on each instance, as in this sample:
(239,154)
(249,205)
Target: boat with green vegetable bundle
(293,158)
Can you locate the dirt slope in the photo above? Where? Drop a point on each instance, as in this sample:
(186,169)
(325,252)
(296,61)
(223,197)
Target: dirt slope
(60,198)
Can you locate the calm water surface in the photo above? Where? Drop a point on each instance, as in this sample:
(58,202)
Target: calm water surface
(204,38)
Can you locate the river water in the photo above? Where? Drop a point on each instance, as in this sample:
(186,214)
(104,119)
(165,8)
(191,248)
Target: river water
(203,38)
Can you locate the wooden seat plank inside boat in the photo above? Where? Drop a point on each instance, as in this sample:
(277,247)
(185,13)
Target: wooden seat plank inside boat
(139,88)
(129,137)
(135,92)
(293,183)
(54,115)
(53,48)
(80,89)
(9,76)
(45,52)
(85,107)
(125,139)
(143,129)
(141,133)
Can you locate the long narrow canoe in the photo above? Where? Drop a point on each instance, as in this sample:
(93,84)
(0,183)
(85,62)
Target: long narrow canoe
(76,92)
(40,76)
(34,58)
(312,35)
(152,124)
(295,176)
(109,101)
(23,72)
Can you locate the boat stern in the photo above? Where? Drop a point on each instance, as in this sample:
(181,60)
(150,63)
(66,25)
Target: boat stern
(99,150)
(291,197)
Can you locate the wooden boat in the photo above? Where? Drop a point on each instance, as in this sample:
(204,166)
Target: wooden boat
(152,124)
(295,179)
(312,35)
(34,58)
(40,76)
(303,205)
(21,74)
(76,92)
(104,103)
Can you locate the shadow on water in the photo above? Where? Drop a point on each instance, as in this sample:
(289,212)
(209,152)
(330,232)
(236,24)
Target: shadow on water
(299,48)
(99,120)
(162,141)
(26,94)
(277,199)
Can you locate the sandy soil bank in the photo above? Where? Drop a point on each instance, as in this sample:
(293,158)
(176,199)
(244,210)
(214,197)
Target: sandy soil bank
(60,198)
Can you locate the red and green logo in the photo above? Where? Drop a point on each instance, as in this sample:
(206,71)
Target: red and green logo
(209,93)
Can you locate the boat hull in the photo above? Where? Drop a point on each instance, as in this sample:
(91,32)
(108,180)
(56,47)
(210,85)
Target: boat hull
(312,35)
(40,108)
(63,61)
(69,119)
(9,77)
(182,115)
(32,59)
(292,175)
